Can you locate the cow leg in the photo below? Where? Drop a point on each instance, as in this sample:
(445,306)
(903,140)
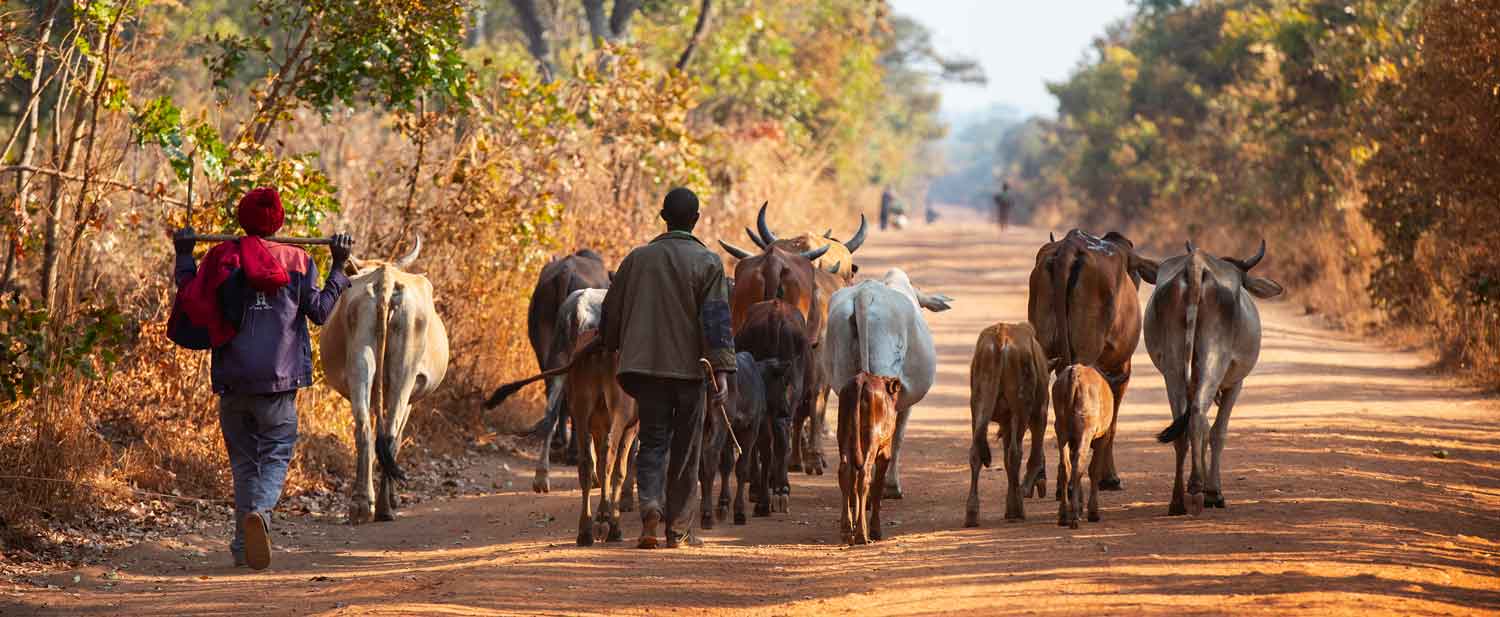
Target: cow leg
(882,465)
(708,468)
(849,490)
(1178,507)
(1063,476)
(362,502)
(586,450)
(1076,466)
(1214,495)
(624,478)
(794,460)
(541,481)
(627,492)
(1117,386)
(1013,435)
(607,438)
(976,460)
(892,482)
(760,472)
(386,501)
(781,490)
(1036,464)
(570,447)
(1097,468)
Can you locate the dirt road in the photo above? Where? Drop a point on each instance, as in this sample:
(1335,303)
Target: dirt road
(1358,484)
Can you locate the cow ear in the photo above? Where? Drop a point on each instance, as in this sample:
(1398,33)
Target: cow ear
(1144,268)
(893,387)
(853,268)
(352,266)
(936,303)
(1263,288)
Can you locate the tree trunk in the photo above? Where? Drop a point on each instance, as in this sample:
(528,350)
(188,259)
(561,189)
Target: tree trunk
(29,125)
(477,35)
(598,22)
(536,36)
(55,192)
(698,28)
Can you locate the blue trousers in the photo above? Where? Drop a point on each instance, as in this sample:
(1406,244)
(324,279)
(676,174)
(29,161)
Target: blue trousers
(260,433)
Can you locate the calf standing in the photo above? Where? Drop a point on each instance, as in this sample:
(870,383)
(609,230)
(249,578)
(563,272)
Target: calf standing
(867,431)
(746,411)
(1008,386)
(775,331)
(1085,406)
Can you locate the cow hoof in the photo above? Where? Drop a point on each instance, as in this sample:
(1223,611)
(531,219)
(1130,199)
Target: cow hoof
(721,512)
(762,509)
(1176,509)
(601,529)
(1214,500)
(627,505)
(1195,504)
(739,518)
(385,517)
(585,538)
(361,514)
(971,519)
(1111,483)
(1041,489)
(1062,521)
(615,535)
(1093,517)
(851,539)
(877,534)
(794,467)
(891,492)
(781,504)
(1012,517)
(706,521)
(1073,524)
(540,484)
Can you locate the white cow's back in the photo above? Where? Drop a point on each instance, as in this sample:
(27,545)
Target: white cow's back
(895,339)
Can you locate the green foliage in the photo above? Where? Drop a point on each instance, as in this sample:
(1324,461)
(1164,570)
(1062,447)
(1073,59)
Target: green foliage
(35,353)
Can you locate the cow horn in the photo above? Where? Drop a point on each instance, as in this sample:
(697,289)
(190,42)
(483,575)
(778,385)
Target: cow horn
(411,257)
(766,237)
(1051,237)
(1190,248)
(835,268)
(1247,264)
(859,236)
(754,238)
(736,251)
(814,254)
(828,234)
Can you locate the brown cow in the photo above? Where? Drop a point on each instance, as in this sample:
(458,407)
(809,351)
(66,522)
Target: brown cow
(867,429)
(1084,406)
(1008,386)
(775,331)
(833,271)
(1083,303)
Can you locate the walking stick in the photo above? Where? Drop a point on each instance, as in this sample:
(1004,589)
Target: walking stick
(192,173)
(708,371)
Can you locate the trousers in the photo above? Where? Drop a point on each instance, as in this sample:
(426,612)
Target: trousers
(260,433)
(671,442)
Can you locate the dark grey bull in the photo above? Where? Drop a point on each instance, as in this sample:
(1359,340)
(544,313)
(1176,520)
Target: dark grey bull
(1203,334)
(561,277)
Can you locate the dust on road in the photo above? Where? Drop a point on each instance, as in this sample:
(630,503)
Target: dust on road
(1338,505)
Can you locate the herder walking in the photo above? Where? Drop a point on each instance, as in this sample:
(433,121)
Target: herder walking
(667,308)
(249,301)
(1003,205)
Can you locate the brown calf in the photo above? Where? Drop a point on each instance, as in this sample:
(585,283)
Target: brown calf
(867,426)
(1084,405)
(1008,386)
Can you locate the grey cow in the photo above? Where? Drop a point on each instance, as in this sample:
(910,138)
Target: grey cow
(1203,334)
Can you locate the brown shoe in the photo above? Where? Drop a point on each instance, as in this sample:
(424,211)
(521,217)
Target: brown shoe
(257,542)
(649,521)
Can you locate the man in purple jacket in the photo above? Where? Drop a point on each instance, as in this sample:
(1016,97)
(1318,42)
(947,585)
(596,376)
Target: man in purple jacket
(264,295)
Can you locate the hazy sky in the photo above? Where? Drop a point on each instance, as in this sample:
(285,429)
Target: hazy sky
(1021,44)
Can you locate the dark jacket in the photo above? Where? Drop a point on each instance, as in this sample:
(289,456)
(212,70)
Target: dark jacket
(668,307)
(271,351)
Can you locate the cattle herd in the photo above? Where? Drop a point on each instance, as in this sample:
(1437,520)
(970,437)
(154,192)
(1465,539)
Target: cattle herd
(805,329)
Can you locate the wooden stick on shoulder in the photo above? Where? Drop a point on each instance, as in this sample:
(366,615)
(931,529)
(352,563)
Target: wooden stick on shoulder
(276,239)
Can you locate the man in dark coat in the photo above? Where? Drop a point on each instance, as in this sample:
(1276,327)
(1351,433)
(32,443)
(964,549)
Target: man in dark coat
(255,298)
(1003,205)
(667,308)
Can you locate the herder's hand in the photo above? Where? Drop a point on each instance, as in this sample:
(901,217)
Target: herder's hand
(183,242)
(721,390)
(342,245)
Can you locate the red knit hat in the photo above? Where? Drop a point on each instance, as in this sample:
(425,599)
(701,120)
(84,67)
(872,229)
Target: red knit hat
(260,212)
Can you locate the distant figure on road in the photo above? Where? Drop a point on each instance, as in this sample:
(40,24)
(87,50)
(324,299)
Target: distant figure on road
(1002,205)
(887,205)
(932,214)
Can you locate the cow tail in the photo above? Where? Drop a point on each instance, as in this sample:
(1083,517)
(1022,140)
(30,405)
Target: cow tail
(1194,297)
(385,442)
(1060,303)
(987,363)
(858,323)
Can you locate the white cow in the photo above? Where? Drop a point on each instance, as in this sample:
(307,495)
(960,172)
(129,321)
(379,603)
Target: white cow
(384,324)
(878,327)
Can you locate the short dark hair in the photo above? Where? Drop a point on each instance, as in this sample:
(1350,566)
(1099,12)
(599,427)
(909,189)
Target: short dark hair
(680,208)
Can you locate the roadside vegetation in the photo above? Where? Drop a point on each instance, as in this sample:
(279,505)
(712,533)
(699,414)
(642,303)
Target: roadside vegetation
(500,132)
